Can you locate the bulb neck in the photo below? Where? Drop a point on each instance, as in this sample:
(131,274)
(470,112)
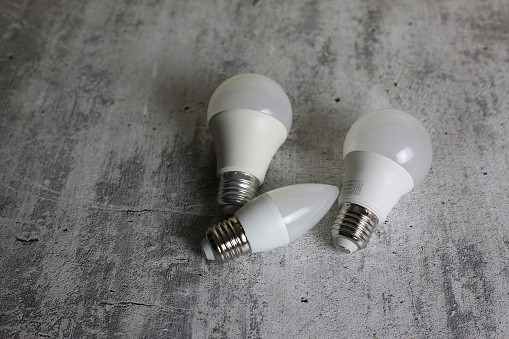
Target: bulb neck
(236,188)
(227,240)
(353,227)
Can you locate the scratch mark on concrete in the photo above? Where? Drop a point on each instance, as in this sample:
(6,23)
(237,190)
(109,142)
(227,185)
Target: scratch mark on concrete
(127,303)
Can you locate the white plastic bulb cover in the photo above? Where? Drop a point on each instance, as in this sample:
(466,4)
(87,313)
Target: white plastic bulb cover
(254,92)
(249,116)
(282,215)
(396,135)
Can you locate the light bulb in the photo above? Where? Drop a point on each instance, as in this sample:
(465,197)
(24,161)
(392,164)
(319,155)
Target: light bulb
(386,153)
(249,116)
(271,220)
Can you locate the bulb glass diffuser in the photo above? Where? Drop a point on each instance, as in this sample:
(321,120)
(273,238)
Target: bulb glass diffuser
(271,220)
(249,116)
(386,153)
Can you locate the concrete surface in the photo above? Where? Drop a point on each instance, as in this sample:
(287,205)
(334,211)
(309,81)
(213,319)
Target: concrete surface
(107,178)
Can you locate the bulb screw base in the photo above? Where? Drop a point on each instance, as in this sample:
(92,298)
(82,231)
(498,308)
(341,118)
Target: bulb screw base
(226,241)
(353,227)
(235,190)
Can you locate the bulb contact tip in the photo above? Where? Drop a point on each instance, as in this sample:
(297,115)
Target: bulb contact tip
(353,227)
(207,250)
(235,190)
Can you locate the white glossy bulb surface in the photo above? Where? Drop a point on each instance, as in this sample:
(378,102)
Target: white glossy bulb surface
(249,116)
(254,92)
(275,218)
(303,206)
(396,135)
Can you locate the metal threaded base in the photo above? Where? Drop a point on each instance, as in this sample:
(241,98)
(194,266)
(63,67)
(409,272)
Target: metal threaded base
(353,227)
(228,240)
(235,190)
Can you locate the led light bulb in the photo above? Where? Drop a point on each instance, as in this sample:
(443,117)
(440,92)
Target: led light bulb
(249,116)
(271,220)
(386,153)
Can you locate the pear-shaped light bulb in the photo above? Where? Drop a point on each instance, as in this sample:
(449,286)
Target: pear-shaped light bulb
(386,153)
(271,220)
(249,116)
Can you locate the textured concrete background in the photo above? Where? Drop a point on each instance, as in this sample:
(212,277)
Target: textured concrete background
(107,180)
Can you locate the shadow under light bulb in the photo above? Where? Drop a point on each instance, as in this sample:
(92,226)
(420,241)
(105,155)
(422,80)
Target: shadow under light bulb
(271,220)
(386,153)
(249,116)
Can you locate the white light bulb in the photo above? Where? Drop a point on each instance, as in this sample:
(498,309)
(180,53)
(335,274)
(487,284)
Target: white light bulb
(249,116)
(271,220)
(386,153)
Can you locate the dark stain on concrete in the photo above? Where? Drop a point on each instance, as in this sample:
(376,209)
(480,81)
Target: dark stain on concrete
(25,300)
(120,187)
(190,165)
(366,46)
(310,21)
(468,272)
(178,290)
(489,24)
(327,56)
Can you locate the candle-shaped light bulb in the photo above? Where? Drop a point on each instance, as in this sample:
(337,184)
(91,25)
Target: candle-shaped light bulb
(271,220)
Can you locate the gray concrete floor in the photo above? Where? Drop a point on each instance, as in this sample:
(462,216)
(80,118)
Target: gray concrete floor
(107,171)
